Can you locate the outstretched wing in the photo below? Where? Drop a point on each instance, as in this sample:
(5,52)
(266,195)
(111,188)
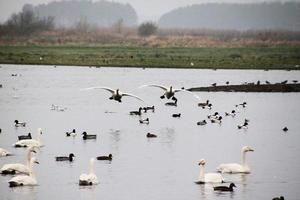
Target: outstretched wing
(103,88)
(131,95)
(153,85)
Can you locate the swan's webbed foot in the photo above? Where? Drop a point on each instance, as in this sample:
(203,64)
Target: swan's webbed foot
(174,98)
(162,97)
(111,98)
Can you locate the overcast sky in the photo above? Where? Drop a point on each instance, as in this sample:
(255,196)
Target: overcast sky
(146,9)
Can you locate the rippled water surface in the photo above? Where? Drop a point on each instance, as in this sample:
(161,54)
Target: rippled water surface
(160,168)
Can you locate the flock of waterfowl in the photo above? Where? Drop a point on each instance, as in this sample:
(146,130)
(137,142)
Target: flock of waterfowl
(23,173)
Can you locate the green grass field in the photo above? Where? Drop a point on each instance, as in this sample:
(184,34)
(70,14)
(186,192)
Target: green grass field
(219,58)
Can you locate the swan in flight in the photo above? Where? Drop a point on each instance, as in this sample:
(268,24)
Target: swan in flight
(17,168)
(4,152)
(91,178)
(208,177)
(235,167)
(169,92)
(25,180)
(116,94)
(30,142)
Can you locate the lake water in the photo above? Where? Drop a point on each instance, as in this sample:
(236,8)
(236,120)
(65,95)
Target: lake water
(159,168)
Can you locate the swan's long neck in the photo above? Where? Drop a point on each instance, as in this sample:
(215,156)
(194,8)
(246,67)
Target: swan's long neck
(201,176)
(31,173)
(39,136)
(243,159)
(28,161)
(92,166)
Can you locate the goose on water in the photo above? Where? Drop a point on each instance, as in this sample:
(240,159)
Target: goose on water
(88,137)
(71,133)
(150,135)
(235,167)
(65,158)
(225,188)
(90,178)
(202,123)
(25,180)
(19,124)
(149,108)
(144,121)
(25,137)
(109,157)
(208,177)
(116,94)
(139,112)
(177,115)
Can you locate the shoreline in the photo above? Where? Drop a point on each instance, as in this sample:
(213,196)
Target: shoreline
(260,58)
(277,87)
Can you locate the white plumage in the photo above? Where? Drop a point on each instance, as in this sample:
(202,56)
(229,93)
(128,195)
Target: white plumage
(30,142)
(91,178)
(25,180)
(208,177)
(17,168)
(235,167)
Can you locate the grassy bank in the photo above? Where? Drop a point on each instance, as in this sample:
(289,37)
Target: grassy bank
(221,58)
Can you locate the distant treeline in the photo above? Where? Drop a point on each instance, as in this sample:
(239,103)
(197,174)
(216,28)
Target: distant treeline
(100,13)
(274,15)
(25,23)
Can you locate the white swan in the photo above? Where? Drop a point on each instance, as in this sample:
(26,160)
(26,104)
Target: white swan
(25,180)
(116,94)
(4,152)
(91,178)
(208,177)
(169,92)
(235,167)
(18,168)
(30,142)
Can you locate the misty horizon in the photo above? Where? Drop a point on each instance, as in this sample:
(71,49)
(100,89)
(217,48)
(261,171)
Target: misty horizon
(146,11)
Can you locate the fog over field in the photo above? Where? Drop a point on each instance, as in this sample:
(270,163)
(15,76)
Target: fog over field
(146,10)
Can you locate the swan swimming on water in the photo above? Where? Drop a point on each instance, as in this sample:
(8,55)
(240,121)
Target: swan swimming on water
(116,94)
(25,180)
(17,168)
(30,142)
(235,167)
(91,178)
(208,177)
